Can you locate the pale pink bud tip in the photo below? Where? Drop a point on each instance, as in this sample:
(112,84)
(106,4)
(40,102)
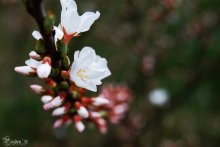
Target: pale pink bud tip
(43,70)
(47,106)
(59,111)
(100,101)
(56,101)
(82,111)
(25,70)
(80,126)
(95,114)
(58,123)
(37,89)
(34,55)
(46,98)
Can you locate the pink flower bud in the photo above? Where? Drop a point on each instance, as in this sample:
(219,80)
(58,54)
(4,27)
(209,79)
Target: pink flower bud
(100,101)
(58,123)
(37,89)
(95,114)
(43,70)
(80,126)
(25,70)
(101,124)
(120,108)
(83,112)
(34,55)
(57,101)
(47,106)
(46,98)
(61,110)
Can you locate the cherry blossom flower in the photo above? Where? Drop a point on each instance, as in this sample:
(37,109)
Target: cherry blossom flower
(88,69)
(72,23)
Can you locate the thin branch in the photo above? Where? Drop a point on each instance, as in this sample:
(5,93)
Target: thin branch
(36,9)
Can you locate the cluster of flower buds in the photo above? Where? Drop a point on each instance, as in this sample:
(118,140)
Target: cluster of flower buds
(65,93)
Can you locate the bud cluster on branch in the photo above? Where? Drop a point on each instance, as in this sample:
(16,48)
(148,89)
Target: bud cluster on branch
(67,83)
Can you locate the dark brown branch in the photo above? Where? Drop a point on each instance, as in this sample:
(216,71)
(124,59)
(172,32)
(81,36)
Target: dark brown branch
(36,9)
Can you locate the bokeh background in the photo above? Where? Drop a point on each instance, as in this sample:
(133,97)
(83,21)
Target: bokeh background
(168,45)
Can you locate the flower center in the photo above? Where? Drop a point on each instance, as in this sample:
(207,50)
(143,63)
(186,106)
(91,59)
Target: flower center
(82,74)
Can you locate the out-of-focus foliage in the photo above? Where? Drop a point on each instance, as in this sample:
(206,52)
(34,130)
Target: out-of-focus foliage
(150,44)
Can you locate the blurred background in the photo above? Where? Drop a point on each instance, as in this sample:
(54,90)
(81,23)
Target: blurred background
(166,51)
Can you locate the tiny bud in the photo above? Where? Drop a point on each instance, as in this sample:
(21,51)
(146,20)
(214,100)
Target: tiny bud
(66,62)
(80,126)
(37,35)
(78,123)
(25,70)
(51,82)
(58,123)
(46,98)
(64,85)
(62,48)
(65,74)
(43,70)
(47,106)
(61,110)
(49,22)
(86,100)
(100,101)
(75,94)
(101,124)
(34,55)
(95,114)
(83,112)
(58,111)
(57,101)
(37,89)
(47,60)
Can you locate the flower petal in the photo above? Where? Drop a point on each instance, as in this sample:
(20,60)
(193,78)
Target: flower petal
(86,21)
(69,16)
(37,35)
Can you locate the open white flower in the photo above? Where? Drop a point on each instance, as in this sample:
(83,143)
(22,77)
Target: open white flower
(88,69)
(72,22)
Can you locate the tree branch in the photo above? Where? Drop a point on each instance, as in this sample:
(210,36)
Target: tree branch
(36,9)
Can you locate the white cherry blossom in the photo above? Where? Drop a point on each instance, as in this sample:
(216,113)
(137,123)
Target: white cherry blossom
(72,22)
(88,69)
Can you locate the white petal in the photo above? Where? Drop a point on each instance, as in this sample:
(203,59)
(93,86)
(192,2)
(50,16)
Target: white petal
(58,34)
(43,70)
(37,35)
(69,4)
(86,56)
(33,63)
(34,55)
(86,21)
(82,111)
(69,16)
(25,70)
(46,98)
